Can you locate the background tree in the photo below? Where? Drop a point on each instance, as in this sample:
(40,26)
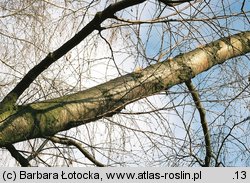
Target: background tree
(152,114)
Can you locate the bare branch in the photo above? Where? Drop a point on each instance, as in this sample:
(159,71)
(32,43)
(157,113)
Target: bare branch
(174,2)
(70,142)
(35,154)
(52,116)
(204,124)
(226,137)
(23,161)
(10,99)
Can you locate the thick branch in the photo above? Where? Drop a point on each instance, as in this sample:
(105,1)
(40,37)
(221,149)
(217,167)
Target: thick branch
(10,99)
(203,119)
(49,117)
(174,2)
(14,153)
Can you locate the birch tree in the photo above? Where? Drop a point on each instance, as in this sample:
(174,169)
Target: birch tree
(120,83)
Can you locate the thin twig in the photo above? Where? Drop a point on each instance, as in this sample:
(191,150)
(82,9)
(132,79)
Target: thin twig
(71,142)
(34,155)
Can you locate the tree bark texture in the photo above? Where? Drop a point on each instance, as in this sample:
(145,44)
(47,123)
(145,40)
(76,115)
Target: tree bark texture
(49,117)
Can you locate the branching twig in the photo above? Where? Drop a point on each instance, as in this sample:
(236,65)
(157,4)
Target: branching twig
(34,155)
(226,137)
(71,142)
